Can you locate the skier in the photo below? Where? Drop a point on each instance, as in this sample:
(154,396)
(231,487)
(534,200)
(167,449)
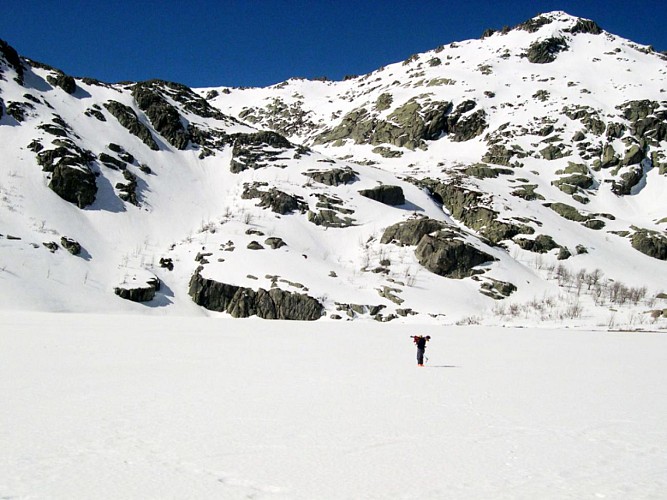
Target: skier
(420,342)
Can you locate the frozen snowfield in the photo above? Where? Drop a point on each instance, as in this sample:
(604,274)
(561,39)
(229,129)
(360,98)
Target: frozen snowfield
(113,406)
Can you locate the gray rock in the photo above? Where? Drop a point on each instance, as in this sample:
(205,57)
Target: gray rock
(128,119)
(13,59)
(483,171)
(386,152)
(383,102)
(568,212)
(353,310)
(51,245)
(242,302)
(167,263)
(496,289)
(651,243)
(111,162)
(502,155)
(468,127)
(627,180)
(546,51)
(275,242)
(75,184)
(564,253)
(333,177)
(278,201)
(389,195)
(407,126)
(579,178)
(144,293)
(540,244)
(128,191)
(553,152)
(446,255)
(63,81)
(18,110)
(164,117)
(72,246)
(250,151)
(534,24)
(467,206)
(585,26)
(527,192)
(329,218)
(411,232)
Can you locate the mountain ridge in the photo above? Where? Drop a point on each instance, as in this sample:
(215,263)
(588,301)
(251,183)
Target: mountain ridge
(505,170)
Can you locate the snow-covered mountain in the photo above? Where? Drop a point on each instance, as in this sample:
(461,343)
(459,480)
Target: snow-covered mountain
(518,177)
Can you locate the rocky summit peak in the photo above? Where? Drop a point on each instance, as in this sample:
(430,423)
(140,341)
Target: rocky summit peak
(519,172)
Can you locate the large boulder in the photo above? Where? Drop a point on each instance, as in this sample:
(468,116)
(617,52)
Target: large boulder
(75,184)
(411,232)
(71,245)
(242,302)
(542,243)
(138,288)
(446,255)
(651,243)
(389,195)
(627,180)
(63,81)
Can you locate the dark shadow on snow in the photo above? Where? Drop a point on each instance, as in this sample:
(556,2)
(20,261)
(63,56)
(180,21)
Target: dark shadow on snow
(408,205)
(162,298)
(84,254)
(106,198)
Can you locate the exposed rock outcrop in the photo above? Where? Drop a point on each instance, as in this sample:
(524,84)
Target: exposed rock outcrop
(389,195)
(333,177)
(164,117)
(278,201)
(139,293)
(546,51)
(651,243)
(411,232)
(63,81)
(257,150)
(13,59)
(241,302)
(468,206)
(446,255)
(128,119)
(72,246)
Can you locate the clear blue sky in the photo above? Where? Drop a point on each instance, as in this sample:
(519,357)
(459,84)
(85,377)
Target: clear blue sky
(255,43)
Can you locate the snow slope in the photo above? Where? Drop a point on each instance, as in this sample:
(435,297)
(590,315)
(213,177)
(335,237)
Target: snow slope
(191,204)
(138,407)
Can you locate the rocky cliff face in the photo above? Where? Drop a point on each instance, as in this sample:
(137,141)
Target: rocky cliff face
(472,171)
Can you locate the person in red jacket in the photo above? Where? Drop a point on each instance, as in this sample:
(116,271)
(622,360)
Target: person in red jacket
(420,342)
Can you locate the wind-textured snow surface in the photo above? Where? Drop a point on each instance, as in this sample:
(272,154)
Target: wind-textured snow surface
(104,406)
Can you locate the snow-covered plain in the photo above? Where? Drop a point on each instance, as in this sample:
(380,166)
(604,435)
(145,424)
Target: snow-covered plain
(116,406)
